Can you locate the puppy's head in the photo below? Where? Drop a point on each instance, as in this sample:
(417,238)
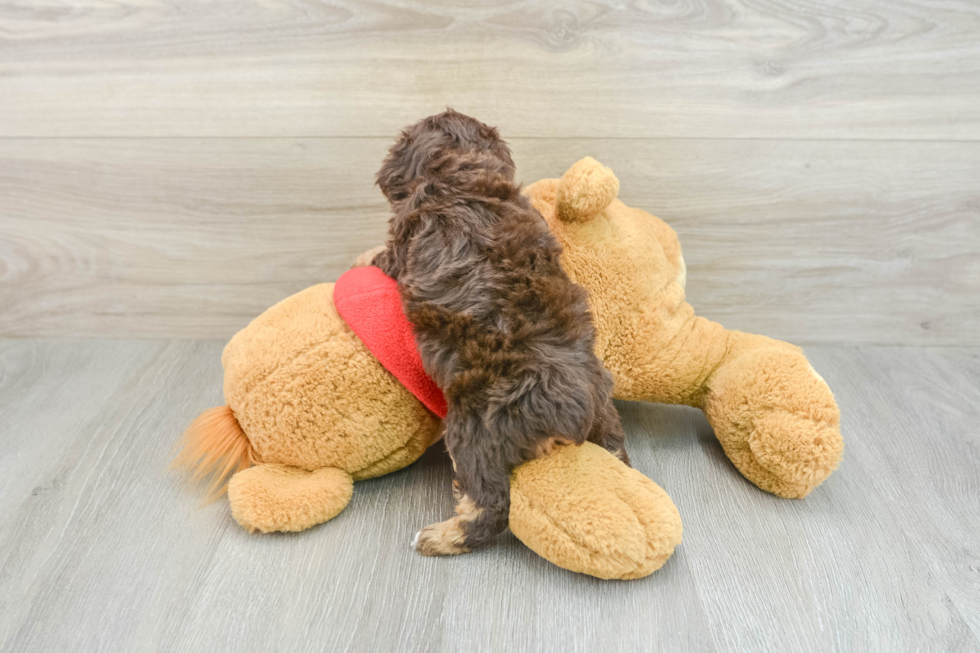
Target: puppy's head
(422,147)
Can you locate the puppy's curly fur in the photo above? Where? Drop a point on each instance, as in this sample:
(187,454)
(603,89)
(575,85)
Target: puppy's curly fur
(500,326)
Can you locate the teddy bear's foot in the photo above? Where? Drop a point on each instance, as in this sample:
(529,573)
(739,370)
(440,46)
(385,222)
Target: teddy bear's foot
(442,539)
(584,510)
(773,454)
(776,419)
(268,497)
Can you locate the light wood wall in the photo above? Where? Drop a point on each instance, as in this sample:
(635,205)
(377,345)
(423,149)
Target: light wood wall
(171,169)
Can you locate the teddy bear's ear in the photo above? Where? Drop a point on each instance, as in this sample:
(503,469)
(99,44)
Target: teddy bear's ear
(585,190)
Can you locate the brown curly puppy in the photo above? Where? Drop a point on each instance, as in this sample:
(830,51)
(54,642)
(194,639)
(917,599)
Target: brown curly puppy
(501,328)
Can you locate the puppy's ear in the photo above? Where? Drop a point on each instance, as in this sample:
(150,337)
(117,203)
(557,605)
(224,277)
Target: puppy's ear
(407,160)
(585,190)
(498,148)
(395,174)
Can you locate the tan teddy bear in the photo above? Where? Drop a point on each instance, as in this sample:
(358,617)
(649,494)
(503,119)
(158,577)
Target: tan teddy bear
(310,410)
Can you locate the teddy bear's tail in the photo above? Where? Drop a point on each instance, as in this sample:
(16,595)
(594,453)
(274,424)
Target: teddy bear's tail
(215,446)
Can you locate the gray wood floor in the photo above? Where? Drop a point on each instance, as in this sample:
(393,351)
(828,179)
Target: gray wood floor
(100,549)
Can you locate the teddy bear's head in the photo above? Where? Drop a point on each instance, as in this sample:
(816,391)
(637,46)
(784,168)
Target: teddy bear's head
(629,260)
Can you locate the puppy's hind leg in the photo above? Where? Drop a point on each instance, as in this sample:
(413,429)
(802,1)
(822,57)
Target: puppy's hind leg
(482,490)
(451,537)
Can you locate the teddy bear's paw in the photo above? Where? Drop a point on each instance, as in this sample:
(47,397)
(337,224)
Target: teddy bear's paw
(584,510)
(795,449)
(777,420)
(268,498)
(445,538)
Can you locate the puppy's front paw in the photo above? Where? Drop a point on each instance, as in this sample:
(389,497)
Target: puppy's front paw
(443,539)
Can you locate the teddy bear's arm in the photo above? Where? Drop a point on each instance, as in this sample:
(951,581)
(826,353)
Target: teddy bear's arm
(584,510)
(773,414)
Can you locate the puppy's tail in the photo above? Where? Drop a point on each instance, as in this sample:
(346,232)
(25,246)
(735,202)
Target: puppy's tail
(214,445)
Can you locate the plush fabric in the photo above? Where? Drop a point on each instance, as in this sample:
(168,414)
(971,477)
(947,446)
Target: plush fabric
(309,394)
(614,521)
(316,407)
(368,301)
(269,497)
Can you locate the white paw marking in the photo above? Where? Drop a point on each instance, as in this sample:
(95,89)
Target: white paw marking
(415,540)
